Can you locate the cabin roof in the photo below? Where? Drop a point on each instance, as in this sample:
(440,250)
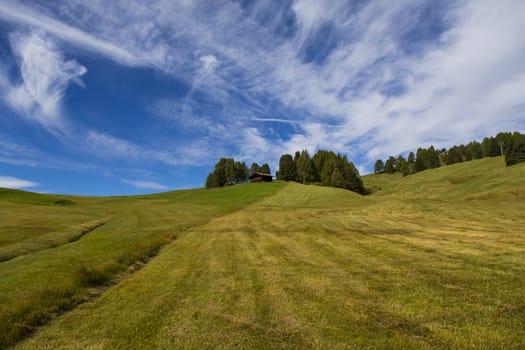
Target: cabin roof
(254,175)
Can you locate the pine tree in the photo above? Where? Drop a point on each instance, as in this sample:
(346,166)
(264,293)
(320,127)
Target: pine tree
(255,168)
(265,168)
(306,170)
(212,181)
(411,163)
(421,160)
(515,150)
(433,160)
(390,165)
(402,165)
(491,147)
(379,166)
(475,149)
(241,172)
(287,169)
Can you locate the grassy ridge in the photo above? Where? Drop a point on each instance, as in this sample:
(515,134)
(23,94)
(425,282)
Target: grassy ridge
(431,260)
(59,256)
(475,179)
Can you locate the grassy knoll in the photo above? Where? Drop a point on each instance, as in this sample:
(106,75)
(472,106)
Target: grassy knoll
(434,260)
(57,255)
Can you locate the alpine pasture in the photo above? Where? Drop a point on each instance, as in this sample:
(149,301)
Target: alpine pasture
(431,260)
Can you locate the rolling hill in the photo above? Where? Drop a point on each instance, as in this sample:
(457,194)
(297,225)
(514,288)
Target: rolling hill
(435,259)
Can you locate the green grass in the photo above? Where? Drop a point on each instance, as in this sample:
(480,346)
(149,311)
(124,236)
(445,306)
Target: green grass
(433,260)
(54,255)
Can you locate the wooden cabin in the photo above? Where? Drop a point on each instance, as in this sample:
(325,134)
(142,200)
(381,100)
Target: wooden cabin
(260,177)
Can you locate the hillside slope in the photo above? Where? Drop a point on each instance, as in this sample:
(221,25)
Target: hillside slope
(57,255)
(430,260)
(482,178)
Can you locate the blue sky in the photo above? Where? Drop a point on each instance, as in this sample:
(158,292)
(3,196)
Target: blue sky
(127,97)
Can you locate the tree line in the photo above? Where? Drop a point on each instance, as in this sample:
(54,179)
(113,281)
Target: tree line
(512,145)
(324,168)
(228,171)
(515,149)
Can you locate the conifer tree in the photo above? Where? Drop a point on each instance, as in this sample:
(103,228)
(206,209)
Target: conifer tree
(390,165)
(402,165)
(255,168)
(379,166)
(287,169)
(411,163)
(265,168)
(306,171)
(421,159)
(515,150)
(212,181)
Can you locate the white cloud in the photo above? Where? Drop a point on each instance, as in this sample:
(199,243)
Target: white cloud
(13,182)
(45,75)
(209,62)
(253,144)
(146,185)
(25,15)
(465,84)
(109,146)
(276,120)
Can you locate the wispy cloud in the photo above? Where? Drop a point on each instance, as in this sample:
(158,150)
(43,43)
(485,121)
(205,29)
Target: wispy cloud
(276,120)
(113,148)
(13,182)
(19,13)
(146,185)
(44,74)
(370,78)
(107,145)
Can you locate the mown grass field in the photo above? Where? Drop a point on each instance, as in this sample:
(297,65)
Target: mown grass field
(433,260)
(56,256)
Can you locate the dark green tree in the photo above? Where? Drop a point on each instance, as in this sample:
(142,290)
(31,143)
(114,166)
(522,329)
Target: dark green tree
(475,149)
(265,168)
(433,160)
(515,149)
(320,158)
(296,156)
(454,155)
(255,168)
(287,169)
(212,181)
(421,160)
(335,170)
(379,166)
(306,170)
(241,172)
(411,163)
(491,147)
(227,171)
(503,138)
(402,166)
(390,165)
(328,169)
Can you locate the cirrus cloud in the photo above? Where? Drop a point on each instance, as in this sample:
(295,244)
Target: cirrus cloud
(14,182)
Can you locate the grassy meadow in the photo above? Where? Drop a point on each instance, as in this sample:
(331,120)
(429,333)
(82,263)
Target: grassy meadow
(55,256)
(432,260)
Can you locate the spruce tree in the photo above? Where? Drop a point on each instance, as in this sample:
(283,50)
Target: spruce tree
(390,165)
(421,159)
(411,163)
(287,169)
(402,166)
(265,168)
(379,166)
(255,168)
(212,181)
